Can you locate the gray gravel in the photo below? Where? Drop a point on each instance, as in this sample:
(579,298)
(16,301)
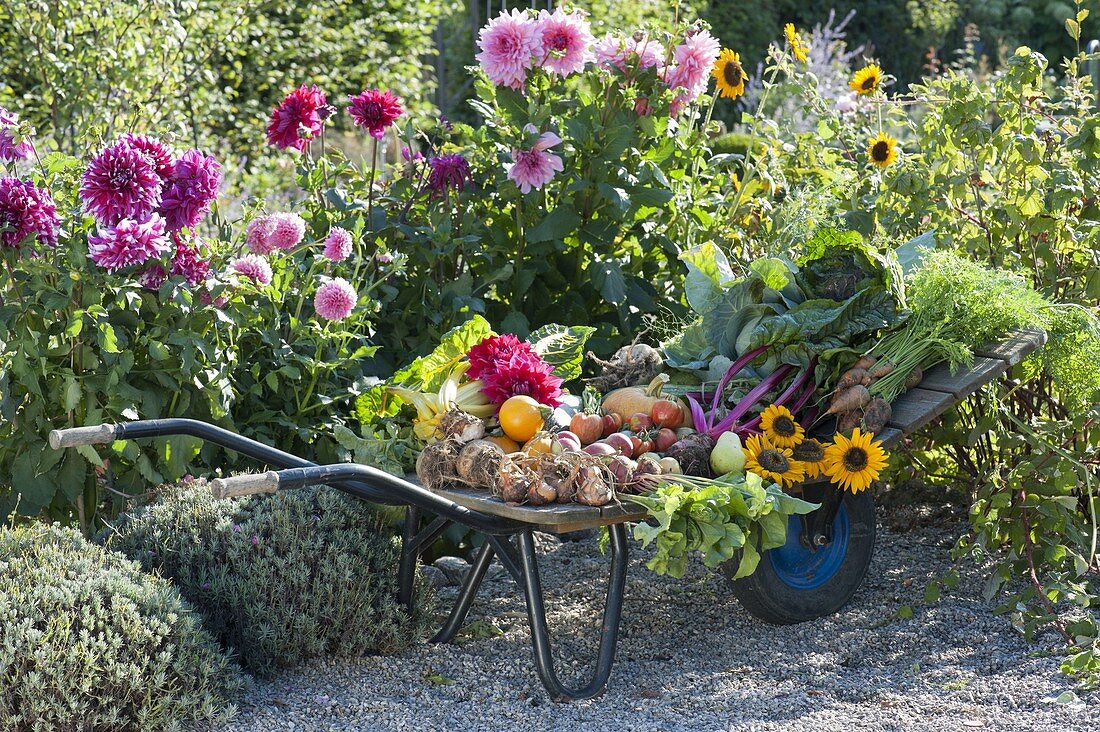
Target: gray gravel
(690,658)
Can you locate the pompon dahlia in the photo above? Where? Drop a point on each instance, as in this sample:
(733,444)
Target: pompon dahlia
(338,244)
(191,188)
(694,59)
(253,267)
(375,111)
(448,171)
(190,260)
(493,351)
(566,41)
(129,242)
(258,234)
(287,230)
(510,43)
(535,168)
(523,373)
(298,118)
(152,277)
(120,183)
(10,150)
(636,52)
(156,151)
(335,299)
(26,211)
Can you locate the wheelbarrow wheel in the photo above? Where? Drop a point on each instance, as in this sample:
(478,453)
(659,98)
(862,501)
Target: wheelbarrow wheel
(794,583)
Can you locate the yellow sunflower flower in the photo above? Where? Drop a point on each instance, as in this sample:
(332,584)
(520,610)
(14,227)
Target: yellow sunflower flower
(799,49)
(811,455)
(854,463)
(778,425)
(772,463)
(867,80)
(729,74)
(883,150)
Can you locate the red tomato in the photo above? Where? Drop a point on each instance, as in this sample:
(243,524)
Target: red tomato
(588,427)
(612,423)
(667,414)
(644,446)
(640,422)
(665,439)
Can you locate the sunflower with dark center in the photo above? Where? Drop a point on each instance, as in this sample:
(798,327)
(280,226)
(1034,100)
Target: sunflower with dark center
(772,463)
(854,463)
(778,425)
(867,80)
(810,453)
(729,75)
(883,150)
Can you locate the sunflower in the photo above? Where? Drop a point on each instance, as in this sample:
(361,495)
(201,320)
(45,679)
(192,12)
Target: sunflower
(729,75)
(778,425)
(810,454)
(772,463)
(883,150)
(867,80)
(854,463)
(798,48)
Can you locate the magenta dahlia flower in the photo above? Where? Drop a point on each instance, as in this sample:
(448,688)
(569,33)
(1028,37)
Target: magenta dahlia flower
(694,59)
(287,230)
(153,276)
(510,44)
(566,41)
(375,111)
(448,171)
(335,299)
(523,373)
(258,234)
(535,168)
(253,267)
(338,244)
(128,243)
(154,150)
(10,150)
(190,261)
(486,357)
(634,53)
(298,118)
(191,188)
(120,183)
(26,211)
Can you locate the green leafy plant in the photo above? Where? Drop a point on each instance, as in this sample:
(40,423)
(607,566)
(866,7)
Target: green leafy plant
(90,642)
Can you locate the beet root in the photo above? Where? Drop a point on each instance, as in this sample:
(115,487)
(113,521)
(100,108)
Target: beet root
(876,415)
(693,454)
(915,377)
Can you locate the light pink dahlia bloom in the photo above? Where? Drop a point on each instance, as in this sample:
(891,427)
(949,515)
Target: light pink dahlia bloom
(120,183)
(253,267)
(128,243)
(258,234)
(566,41)
(626,54)
(335,299)
(10,150)
(535,168)
(510,44)
(190,190)
(375,111)
(338,244)
(694,60)
(287,230)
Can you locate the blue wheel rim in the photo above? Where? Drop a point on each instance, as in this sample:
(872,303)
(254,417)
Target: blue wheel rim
(800,568)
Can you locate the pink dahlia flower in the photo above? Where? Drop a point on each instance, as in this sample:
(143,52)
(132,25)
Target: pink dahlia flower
(694,60)
(26,211)
(535,168)
(298,118)
(253,267)
(510,43)
(566,41)
(338,244)
(626,54)
(383,257)
(258,234)
(448,171)
(189,261)
(375,111)
(129,242)
(486,357)
(191,188)
(287,230)
(335,299)
(152,277)
(154,150)
(120,183)
(10,150)
(523,373)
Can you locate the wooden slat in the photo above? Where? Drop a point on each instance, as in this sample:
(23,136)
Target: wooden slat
(917,407)
(1015,348)
(889,436)
(968,379)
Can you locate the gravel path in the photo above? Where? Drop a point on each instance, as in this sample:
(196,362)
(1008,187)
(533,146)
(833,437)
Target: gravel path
(690,658)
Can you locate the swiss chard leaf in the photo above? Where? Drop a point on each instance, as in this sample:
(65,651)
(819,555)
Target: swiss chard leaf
(562,347)
(428,373)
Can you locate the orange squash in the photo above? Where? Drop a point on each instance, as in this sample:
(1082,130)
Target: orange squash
(634,399)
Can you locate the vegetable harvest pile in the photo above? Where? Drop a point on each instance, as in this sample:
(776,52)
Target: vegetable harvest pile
(784,376)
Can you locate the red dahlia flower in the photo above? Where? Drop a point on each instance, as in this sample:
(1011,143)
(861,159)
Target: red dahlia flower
(301,111)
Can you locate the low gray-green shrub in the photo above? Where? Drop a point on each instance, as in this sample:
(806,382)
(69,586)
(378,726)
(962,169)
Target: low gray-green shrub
(278,578)
(90,642)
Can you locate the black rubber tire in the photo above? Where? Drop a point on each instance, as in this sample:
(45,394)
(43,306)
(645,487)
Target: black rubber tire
(772,600)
